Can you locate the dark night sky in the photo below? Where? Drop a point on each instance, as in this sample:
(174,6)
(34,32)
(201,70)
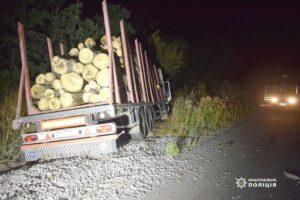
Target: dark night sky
(267,34)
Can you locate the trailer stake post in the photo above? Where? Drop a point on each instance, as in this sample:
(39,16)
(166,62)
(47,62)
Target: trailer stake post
(62,49)
(31,110)
(147,71)
(126,59)
(144,72)
(50,48)
(140,69)
(113,82)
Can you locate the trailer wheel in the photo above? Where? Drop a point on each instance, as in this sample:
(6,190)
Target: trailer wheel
(143,127)
(149,118)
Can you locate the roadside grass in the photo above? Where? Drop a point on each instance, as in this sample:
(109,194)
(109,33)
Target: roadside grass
(172,149)
(197,114)
(9,139)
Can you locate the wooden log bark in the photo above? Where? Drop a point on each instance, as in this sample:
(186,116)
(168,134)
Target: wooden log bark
(71,82)
(89,72)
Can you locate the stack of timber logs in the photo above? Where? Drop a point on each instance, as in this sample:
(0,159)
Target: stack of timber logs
(78,78)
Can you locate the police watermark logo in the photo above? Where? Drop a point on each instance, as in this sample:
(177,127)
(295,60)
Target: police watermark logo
(241,182)
(256,182)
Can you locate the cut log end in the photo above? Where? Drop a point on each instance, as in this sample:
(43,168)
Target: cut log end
(101,61)
(103,78)
(80,46)
(86,56)
(89,73)
(73,52)
(54,104)
(40,79)
(37,91)
(50,77)
(89,42)
(43,104)
(71,82)
(78,68)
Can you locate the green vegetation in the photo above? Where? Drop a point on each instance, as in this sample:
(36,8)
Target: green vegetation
(198,114)
(61,21)
(9,139)
(171,54)
(172,149)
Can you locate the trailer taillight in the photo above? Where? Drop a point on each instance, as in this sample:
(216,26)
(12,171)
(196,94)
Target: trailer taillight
(30,138)
(106,128)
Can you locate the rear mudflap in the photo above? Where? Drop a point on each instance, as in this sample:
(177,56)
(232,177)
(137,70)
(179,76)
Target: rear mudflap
(94,146)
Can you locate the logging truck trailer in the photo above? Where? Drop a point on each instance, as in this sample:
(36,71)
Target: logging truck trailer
(93,129)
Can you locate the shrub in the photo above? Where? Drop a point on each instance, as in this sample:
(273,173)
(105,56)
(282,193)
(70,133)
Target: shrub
(196,114)
(172,149)
(9,139)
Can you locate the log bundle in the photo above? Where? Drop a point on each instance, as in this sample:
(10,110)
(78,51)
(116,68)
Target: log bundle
(79,78)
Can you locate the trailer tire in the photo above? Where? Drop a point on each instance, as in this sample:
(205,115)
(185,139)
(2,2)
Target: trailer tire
(141,135)
(148,117)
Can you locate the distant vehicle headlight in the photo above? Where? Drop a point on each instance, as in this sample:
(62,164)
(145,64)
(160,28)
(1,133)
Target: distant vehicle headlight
(292,100)
(274,99)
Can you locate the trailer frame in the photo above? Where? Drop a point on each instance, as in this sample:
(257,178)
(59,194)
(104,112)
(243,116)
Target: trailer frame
(101,123)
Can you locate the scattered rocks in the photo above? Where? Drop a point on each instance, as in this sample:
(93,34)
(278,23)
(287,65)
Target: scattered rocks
(135,169)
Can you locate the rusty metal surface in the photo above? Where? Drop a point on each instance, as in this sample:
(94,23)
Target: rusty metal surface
(155,83)
(31,110)
(149,77)
(134,75)
(144,72)
(127,63)
(140,70)
(62,49)
(20,93)
(158,83)
(50,48)
(110,110)
(110,52)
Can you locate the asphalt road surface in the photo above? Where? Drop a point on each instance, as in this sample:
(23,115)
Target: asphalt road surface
(266,147)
